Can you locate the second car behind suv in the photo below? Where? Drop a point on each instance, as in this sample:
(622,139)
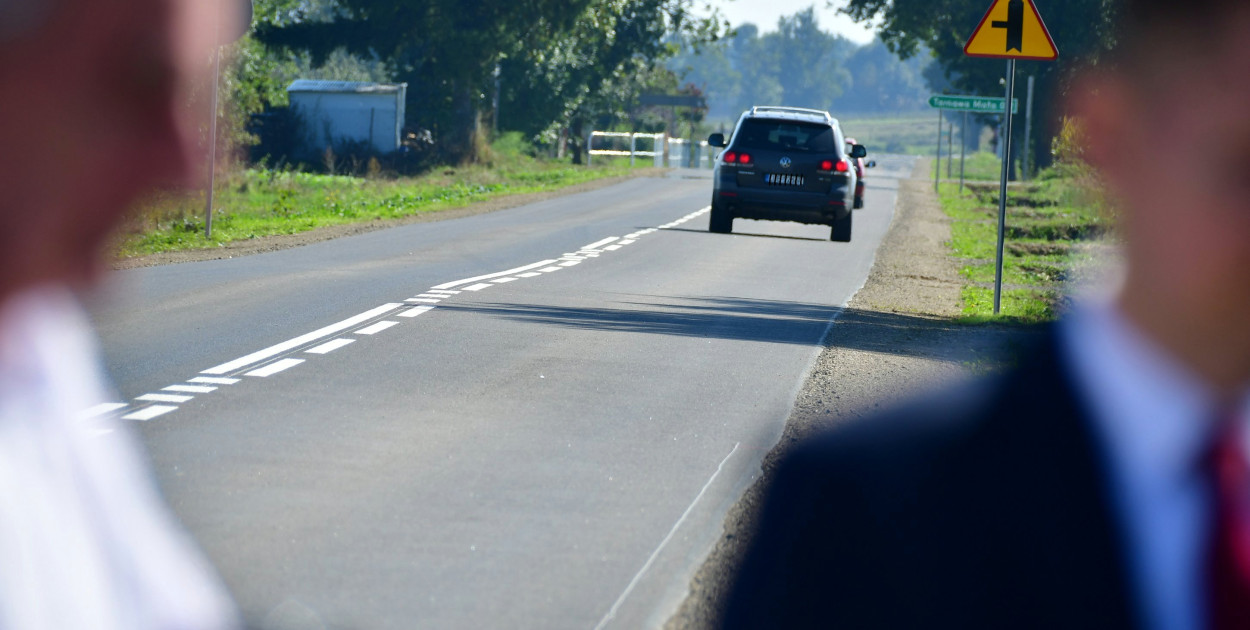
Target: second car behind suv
(785,164)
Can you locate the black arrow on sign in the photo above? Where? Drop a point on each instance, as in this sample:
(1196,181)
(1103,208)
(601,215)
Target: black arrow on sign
(1014,25)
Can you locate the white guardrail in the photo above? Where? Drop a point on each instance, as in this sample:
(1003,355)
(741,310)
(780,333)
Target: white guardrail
(673,151)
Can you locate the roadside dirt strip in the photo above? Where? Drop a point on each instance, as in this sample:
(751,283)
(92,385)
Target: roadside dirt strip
(896,338)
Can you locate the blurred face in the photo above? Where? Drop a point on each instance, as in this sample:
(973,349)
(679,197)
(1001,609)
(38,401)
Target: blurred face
(1171,134)
(97,111)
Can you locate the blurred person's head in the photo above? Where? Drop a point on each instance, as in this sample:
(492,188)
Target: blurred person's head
(1167,123)
(97,112)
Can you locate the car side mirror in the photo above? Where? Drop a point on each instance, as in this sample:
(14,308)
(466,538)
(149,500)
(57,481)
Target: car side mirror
(871,164)
(716,140)
(859,151)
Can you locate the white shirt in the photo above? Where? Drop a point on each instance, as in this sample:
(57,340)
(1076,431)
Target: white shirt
(1155,418)
(85,541)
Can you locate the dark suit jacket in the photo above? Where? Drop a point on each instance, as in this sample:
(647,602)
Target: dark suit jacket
(989,507)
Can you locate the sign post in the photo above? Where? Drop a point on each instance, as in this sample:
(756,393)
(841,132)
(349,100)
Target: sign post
(963,149)
(1011,30)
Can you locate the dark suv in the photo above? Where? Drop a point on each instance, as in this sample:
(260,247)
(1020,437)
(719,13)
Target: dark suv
(785,164)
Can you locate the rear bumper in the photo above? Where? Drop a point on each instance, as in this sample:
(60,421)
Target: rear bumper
(783,205)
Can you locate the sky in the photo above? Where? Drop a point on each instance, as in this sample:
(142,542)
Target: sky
(764,14)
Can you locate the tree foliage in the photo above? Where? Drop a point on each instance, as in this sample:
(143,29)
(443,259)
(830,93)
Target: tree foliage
(1082,29)
(568,58)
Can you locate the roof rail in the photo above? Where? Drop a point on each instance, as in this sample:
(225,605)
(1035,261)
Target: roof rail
(794,110)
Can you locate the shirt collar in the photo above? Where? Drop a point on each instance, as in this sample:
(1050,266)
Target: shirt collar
(1155,414)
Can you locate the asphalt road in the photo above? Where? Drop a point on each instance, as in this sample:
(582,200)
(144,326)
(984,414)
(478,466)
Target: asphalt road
(553,444)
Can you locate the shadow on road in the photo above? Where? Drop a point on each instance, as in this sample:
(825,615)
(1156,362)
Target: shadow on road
(750,320)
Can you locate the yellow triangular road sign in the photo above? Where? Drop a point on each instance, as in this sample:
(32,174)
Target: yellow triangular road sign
(1012,29)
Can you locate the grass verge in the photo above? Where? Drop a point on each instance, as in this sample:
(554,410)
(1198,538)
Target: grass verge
(1046,221)
(254,203)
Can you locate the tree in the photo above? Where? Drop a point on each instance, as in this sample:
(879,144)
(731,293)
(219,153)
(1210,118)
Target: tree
(1082,29)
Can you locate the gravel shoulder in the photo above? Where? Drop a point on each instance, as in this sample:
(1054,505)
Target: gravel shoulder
(896,338)
(265,244)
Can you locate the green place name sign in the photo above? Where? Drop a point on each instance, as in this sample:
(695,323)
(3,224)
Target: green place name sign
(979,104)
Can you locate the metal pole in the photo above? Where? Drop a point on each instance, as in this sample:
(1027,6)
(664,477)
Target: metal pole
(212,131)
(950,147)
(633,148)
(1028,128)
(937,166)
(1002,188)
(963,149)
(590,139)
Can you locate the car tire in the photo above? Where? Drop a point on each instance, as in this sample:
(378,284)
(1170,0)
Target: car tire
(841,232)
(720,222)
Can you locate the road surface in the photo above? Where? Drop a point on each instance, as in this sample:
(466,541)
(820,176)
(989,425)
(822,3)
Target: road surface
(533,418)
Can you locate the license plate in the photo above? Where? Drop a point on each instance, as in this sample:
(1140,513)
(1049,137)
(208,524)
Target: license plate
(778,179)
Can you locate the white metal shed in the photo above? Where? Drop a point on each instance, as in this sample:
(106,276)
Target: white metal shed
(335,112)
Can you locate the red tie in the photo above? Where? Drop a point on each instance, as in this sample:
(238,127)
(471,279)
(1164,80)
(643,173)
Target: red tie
(1228,562)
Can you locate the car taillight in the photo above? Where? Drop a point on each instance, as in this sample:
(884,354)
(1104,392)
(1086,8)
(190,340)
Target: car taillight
(826,165)
(744,159)
(842,166)
(730,157)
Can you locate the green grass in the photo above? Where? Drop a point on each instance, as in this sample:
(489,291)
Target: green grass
(979,166)
(1045,219)
(255,203)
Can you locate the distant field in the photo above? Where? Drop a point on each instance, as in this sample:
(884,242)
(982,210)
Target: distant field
(913,134)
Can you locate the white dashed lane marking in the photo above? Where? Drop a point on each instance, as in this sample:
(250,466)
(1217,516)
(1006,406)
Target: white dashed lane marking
(218,375)
(168,398)
(215,380)
(330,346)
(377,328)
(192,389)
(147,413)
(286,346)
(275,367)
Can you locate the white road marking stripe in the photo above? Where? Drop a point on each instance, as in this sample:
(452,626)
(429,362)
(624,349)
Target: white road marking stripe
(192,389)
(612,248)
(275,367)
(551,269)
(376,328)
(478,287)
(570,263)
(504,280)
(530,274)
(444,291)
(440,296)
(330,346)
(272,351)
(214,380)
(422,301)
(647,565)
(100,410)
(169,398)
(627,241)
(571,257)
(413,312)
(147,413)
(450,285)
(596,244)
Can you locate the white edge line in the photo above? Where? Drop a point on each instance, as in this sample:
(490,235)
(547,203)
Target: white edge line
(450,285)
(257,357)
(638,576)
(193,389)
(478,287)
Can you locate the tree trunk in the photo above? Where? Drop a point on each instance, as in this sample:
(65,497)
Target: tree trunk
(460,142)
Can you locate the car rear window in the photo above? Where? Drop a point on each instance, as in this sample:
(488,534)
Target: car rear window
(785,135)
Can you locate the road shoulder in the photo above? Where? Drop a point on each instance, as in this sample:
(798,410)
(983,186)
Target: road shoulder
(896,338)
